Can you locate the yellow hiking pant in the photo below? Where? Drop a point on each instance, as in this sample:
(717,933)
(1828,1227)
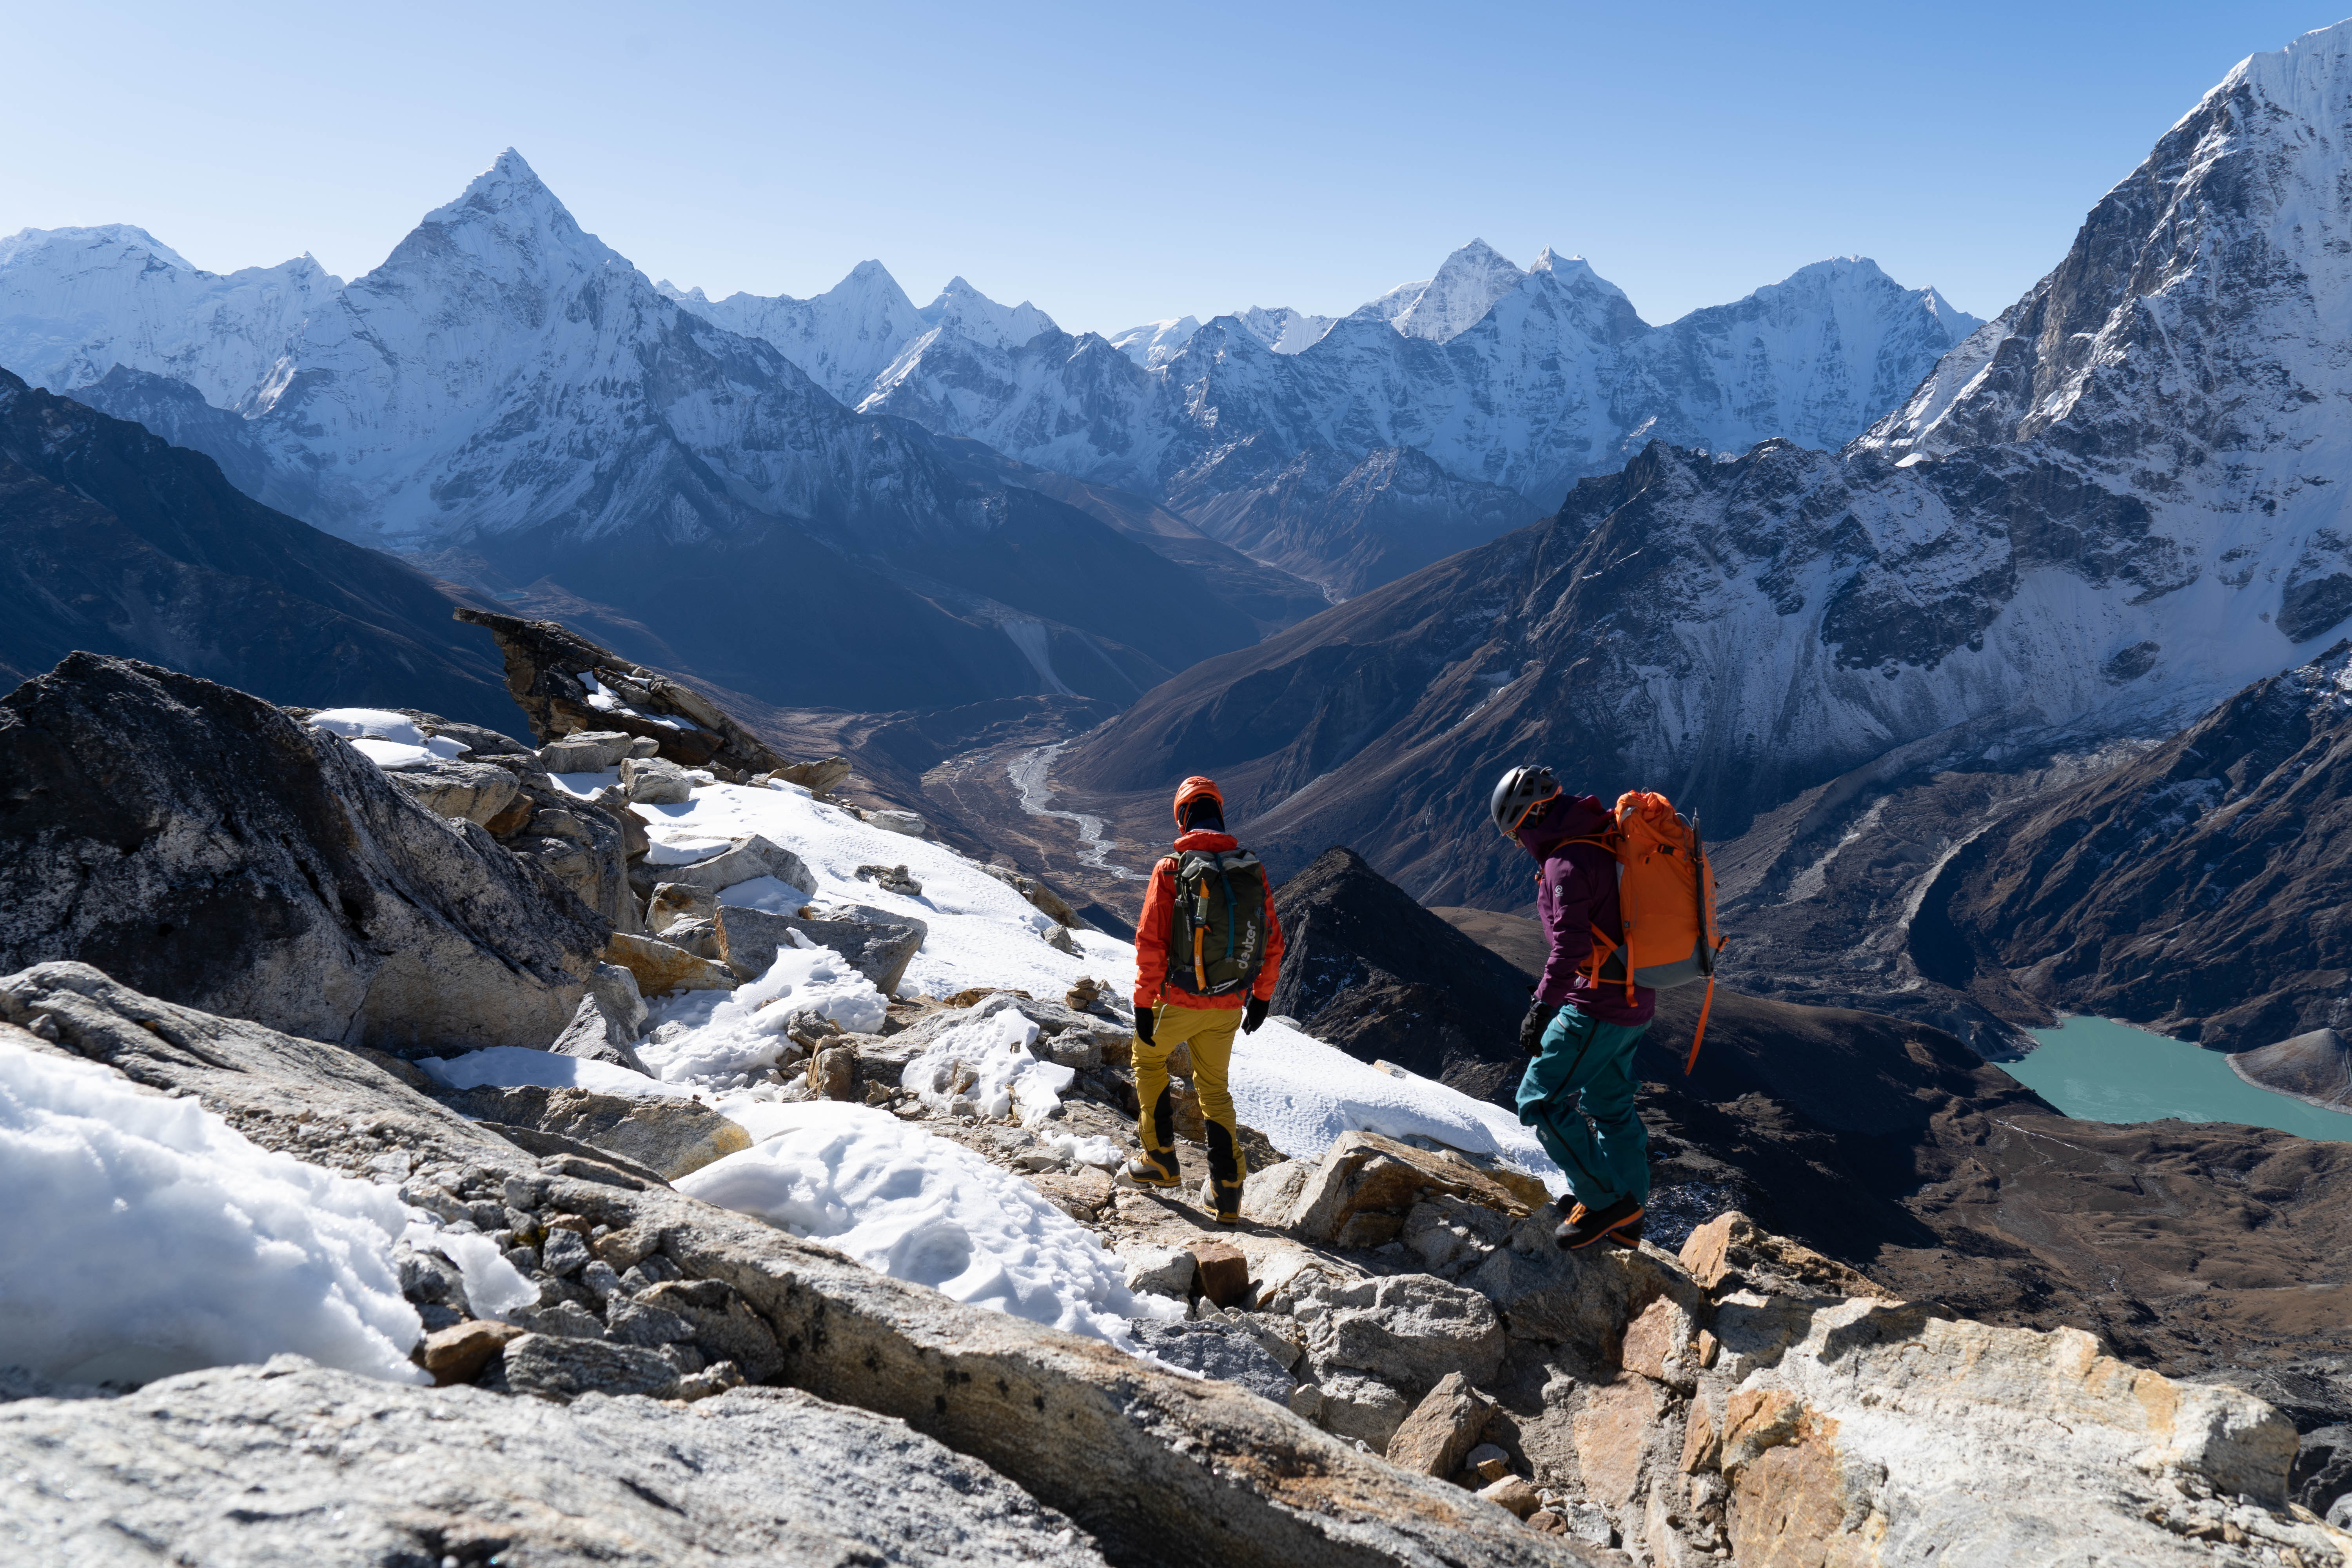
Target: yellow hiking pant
(1209,1031)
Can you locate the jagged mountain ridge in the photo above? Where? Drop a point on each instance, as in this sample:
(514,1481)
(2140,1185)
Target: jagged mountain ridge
(507,389)
(2116,550)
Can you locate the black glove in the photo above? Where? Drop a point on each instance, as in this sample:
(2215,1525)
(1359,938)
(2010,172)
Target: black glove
(1144,1021)
(1532,1027)
(1253,1014)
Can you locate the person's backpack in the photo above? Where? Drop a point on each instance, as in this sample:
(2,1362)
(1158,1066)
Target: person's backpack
(1216,939)
(1665,894)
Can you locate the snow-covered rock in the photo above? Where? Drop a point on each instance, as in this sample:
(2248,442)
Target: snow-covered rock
(1154,343)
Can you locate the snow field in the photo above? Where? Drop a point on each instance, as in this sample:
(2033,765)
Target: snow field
(147,1236)
(920,1208)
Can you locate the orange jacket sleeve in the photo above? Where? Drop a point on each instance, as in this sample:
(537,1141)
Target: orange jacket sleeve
(1152,935)
(1271,970)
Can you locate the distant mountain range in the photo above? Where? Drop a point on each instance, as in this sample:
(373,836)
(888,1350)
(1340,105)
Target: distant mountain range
(512,402)
(2107,511)
(1352,450)
(507,386)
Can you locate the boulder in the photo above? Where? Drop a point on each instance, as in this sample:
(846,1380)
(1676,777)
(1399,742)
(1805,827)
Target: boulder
(215,851)
(724,1325)
(679,903)
(1731,1252)
(610,1015)
(1359,1193)
(891,880)
(1159,1270)
(585,751)
(878,945)
(478,792)
(1046,901)
(546,663)
(1116,1442)
(753,856)
(1407,1330)
(1350,1404)
(906,822)
(1513,1492)
(1662,1344)
(656,780)
(1216,1349)
(668,1137)
(1224,1271)
(821,777)
(661,968)
(1443,1428)
(459,1353)
(584,845)
(237,1465)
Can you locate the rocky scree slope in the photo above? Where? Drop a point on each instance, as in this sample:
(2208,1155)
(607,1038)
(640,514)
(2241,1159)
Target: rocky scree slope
(1749,1399)
(118,543)
(1137,1457)
(507,386)
(2046,536)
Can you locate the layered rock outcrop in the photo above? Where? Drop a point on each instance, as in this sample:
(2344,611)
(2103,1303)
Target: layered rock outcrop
(212,850)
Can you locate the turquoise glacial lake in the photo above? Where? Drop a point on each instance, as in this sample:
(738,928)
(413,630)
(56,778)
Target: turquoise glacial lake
(2101,1070)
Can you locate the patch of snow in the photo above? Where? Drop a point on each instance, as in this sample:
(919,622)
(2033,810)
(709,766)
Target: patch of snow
(389,739)
(917,1207)
(1007,1076)
(147,1236)
(515,1066)
(732,1034)
(493,1287)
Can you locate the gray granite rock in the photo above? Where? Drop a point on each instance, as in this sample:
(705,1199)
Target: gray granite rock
(293,1465)
(878,945)
(1216,1349)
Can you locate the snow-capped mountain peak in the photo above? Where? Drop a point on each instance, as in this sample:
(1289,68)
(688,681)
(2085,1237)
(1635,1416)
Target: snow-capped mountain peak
(1284,331)
(969,313)
(1465,289)
(1154,343)
(75,302)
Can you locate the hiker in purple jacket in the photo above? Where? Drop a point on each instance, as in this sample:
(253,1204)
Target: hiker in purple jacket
(1578,1092)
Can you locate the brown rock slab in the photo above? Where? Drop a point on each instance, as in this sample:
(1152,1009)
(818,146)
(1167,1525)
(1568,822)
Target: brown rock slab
(1443,1428)
(1514,1493)
(1661,1344)
(1224,1272)
(1612,1431)
(1363,1174)
(662,969)
(459,1353)
(1731,1250)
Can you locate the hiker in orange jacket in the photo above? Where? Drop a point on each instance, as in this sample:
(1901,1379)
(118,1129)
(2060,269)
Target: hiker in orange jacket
(1207,953)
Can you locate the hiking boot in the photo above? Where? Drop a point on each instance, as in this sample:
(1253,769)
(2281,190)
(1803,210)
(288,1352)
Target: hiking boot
(1153,1168)
(1228,1200)
(1585,1226)
(1628,1235)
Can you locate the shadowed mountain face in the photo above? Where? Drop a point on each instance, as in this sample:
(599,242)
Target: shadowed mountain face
(1892,1146)
(2198,889)
(113,543)
(1370,971)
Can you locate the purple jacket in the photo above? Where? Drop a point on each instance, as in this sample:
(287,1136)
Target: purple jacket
(1576,889)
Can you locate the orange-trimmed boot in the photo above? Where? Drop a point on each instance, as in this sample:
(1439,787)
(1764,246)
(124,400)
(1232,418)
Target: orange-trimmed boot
(1585,1226)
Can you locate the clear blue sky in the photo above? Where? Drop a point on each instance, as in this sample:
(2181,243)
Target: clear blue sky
(1116,164)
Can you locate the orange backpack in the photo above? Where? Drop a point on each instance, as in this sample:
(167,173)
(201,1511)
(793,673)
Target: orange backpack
(1665,894)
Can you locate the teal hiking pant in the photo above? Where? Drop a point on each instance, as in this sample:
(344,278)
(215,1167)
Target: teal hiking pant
(1578,1095)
